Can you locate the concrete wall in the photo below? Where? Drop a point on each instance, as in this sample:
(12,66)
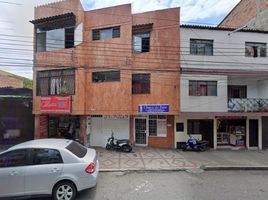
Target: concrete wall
(229,50)
(204,103)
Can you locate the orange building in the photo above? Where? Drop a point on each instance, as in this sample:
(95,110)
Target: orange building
(106,70)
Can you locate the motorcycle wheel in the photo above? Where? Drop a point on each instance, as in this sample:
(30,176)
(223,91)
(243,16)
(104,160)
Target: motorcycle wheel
(202,148)
(108,147)
(126,148)
(184,147)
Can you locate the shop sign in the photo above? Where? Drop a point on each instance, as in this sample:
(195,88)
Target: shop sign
(154,108)
(115,116)
(56,104)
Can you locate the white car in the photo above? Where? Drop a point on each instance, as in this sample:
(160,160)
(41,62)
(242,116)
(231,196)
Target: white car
(56,167)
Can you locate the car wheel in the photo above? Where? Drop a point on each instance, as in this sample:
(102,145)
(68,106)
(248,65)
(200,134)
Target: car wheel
(64,191)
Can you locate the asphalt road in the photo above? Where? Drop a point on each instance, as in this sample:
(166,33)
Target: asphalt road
(195,185)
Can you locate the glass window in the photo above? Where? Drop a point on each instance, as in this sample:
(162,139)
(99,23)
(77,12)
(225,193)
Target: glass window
(202,88)
(77,149)
(50,40)
(107,33)
(141,42)
(253,49)
(56,82)
(46,156)
(141,83)
(201,47)
(193,127)
(14,158)
(158,125)
(107,76)
(179,127)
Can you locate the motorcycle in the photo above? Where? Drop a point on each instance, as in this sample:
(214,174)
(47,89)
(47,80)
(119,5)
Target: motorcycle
(119,145)
(194,144)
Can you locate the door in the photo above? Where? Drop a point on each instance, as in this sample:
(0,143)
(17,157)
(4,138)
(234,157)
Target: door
(141,137)
(253,133)
(265,132)
(44,171)
(206,129)
(12,173)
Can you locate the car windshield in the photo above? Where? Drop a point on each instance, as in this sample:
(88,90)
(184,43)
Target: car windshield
(77,149)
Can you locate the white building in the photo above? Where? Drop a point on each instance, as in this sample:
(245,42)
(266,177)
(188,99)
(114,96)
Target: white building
(224,87)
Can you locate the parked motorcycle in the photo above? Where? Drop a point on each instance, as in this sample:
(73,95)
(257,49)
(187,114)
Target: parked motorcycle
(194,144)
(119,145)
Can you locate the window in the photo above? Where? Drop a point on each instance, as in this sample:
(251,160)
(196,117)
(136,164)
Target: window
(255,49)
(158,125)
(107,76)
(50,40)
(140,83)
(202,88)
(201,47)
(193,127)
(56,82)
(107,33)
(237,91)
(77,149)
(179,127)
(141,42)
(46,156)
(14,158)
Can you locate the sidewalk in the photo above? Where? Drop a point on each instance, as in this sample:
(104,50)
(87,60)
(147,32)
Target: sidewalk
(151,159)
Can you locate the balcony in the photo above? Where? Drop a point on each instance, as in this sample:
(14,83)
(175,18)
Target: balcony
(247,105)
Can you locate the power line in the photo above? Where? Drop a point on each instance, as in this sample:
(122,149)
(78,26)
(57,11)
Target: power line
(11,3)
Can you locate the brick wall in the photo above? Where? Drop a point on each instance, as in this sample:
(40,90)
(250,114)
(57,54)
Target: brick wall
(8,81)
(244,11)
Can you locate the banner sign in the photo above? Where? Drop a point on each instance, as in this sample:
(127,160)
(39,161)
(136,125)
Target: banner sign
(154,108)
(56,104)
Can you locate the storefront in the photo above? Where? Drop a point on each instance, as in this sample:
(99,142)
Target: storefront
(153,127)
(231,132)
(100,127)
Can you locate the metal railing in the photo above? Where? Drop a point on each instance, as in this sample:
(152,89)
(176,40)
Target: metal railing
(247,105)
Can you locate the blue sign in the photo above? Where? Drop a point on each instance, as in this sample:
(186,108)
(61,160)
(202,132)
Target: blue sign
(154,108)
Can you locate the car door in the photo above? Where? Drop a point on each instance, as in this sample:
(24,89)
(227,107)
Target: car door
(46,166)
(12,172)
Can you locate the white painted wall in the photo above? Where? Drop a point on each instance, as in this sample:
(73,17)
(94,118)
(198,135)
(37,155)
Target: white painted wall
(204,103)
(101,130)
(227,48)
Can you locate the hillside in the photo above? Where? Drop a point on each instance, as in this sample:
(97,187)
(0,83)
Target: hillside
(27,83)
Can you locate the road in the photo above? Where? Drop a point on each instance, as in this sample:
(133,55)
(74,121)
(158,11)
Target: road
(194,185)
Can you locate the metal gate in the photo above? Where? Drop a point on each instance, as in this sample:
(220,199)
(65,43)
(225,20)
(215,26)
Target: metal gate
(141,131)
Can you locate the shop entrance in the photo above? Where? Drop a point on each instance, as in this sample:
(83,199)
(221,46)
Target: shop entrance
(231,132)
(141,137)
(64,126)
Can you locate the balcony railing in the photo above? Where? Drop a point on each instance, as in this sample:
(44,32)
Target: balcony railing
(247,105)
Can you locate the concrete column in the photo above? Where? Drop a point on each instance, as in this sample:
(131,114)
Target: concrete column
(247,134)
(215,132)
(260,134)
(83,128)
(36,127)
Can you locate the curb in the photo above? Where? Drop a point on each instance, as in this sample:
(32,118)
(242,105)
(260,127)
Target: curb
(233,168)
(144,170)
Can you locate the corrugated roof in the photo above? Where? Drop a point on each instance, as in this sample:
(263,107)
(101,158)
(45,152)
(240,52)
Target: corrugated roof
(69,15)
(220,28)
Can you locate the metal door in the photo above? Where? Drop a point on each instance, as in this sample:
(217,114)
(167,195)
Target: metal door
(141,137)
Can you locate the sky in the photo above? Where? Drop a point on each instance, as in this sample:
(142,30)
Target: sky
(16,32)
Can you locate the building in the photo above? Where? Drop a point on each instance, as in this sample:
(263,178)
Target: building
(106,70)
(250,13)
(16,119)
(224,87)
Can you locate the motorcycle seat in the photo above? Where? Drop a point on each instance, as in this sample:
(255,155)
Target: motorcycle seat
(123,141)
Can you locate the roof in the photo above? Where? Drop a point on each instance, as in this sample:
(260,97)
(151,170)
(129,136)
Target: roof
(69,15)
(220,28)
(43,143)
(16,92)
